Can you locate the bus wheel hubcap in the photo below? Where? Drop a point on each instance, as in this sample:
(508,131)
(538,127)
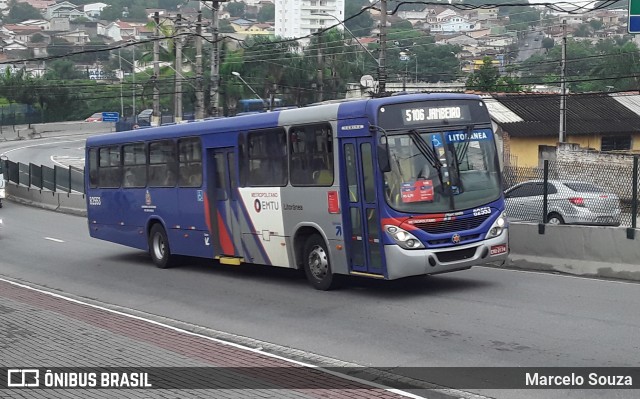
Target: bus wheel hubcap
(318,263)
(158,246)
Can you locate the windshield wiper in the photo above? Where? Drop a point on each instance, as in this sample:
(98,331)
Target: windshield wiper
(424,148)
(464,147)
(428,152)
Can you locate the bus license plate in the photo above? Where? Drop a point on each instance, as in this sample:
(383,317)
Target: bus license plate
(498,249)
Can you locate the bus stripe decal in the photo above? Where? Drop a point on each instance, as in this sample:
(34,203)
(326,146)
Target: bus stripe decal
(249,223)
(225,240)
(207,215)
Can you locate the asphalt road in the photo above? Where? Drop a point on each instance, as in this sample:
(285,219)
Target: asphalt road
(479,317)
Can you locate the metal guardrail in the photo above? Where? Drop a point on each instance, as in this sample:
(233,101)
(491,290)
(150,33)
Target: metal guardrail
(56,179)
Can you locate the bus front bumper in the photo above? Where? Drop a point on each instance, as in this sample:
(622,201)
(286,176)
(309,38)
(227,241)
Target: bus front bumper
(404,263)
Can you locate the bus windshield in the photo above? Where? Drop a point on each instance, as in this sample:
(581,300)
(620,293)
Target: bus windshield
(442,171)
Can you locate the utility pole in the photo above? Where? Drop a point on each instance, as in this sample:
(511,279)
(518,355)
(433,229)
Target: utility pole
(133,90)
(156,68)
(382,73)
(199,90)
(178,73)
(320,76)
(121,84)
(563,86)
(215,61)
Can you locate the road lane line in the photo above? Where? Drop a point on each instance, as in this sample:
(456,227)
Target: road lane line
(39,144)
(53,239)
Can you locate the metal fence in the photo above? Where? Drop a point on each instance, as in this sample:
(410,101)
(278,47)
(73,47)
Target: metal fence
(56,179)
(573,193)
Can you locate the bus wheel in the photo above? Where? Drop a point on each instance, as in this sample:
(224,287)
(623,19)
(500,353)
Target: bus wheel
(159,247)
(317,266)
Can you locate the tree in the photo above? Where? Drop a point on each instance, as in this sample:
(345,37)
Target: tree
(63,70)
(267,13)
(236,9)
(595,24)
(548,43)
(402,25)
(111,13)
(137,13)
(37,38)
(583,30)
(19,12)
(363,23)
(59,46)
(485,78)
(225,26)
(522,17)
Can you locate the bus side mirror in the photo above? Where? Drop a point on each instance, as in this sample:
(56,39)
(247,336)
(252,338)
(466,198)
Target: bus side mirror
(383,156)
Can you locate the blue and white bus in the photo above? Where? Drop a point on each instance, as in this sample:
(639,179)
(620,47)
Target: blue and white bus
(383,188)
(252,105)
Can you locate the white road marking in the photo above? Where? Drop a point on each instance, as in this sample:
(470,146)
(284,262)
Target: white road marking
(53,239)
(36,145)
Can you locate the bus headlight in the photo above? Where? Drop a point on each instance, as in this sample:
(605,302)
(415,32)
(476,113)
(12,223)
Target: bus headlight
(498,226)
(403,238)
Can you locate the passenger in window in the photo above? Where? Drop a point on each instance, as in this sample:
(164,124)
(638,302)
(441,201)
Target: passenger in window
(129,179)
(170,178)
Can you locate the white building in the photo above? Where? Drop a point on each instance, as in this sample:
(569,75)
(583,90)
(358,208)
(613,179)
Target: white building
(300,18)
(453,24)
(93,10)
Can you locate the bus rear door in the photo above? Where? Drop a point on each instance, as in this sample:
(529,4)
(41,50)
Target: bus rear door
(361,220)
(222,204)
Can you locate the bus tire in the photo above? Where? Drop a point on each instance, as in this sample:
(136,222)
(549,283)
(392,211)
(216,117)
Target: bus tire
(317,264)
(159,247)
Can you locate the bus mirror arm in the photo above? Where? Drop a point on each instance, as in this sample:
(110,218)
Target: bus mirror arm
(384,158)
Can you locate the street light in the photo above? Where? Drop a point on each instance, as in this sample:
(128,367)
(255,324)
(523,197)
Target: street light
(237,75)
(351,33)
(377,61)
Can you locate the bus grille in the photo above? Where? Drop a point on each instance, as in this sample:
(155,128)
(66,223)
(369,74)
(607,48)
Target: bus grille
(454,256)
(451,226)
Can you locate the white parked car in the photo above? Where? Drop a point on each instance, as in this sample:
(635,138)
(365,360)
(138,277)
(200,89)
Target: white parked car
(569,202)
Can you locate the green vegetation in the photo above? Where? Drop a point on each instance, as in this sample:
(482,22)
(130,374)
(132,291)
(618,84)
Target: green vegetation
(590,67)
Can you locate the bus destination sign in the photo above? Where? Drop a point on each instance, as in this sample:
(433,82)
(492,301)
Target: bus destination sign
(455,114)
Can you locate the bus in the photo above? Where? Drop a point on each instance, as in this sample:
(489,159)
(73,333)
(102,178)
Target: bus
(254,105)
(382,188)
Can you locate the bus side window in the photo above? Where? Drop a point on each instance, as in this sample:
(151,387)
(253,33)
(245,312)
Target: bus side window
(265,159)
(134,165)
(109,169)
(190,162)
(162,164)
(93,168)
(311,155)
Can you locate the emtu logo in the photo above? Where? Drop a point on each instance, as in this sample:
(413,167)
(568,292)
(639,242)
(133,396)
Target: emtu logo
(17,378)
(257,205)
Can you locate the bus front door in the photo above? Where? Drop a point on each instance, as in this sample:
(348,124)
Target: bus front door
(223,202)
(362,231)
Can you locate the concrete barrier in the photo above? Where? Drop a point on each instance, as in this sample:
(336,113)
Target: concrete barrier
(73,203)
(579,250)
